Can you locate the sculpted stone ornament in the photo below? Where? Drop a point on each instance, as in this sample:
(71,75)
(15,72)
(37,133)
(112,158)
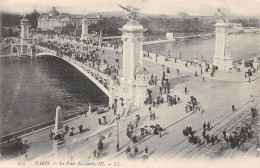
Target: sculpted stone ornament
(221,15)
(140,72)
(132,12)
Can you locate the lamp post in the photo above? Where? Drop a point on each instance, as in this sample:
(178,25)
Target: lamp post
(118,61)
(163,67)
(117,144)
(201,64)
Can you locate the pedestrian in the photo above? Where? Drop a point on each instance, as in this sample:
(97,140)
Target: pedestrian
(160,90)
(95,153)
(80,129)
(105,121)
(99,121)
(203,78)
(98,153)
(251,98)
(66,128)
(212,140)
(208,125)
(51,134)
(71,132)
(204,126)
(203,134)
(136,150)
(185,90)
(225,134)
(207,138)
(146,149)
(128,150)
(90,109)
(115,106)
(233,108)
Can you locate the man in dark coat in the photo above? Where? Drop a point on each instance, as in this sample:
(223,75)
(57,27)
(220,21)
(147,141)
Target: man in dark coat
(80,129)
(136,150)
(146,149)
(208,125)
(212,139)
(128,150)
(203,134)
(225,134)
(204,126)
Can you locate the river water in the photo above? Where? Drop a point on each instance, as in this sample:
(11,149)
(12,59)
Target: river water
(31,89)
(239,45)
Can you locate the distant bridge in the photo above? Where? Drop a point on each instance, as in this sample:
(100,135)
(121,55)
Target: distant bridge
(97,77)
(180,38)
(111,37)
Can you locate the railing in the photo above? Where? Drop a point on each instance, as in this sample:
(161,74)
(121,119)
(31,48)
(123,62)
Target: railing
(86,140)
(5,138)
(100,78)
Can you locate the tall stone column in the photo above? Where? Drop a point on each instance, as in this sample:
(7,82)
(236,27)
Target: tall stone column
(58,129)
(132,60)
(222,57)
(84,33)
(24,30)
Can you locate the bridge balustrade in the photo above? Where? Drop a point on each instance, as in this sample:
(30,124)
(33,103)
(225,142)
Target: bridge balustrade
(5,138)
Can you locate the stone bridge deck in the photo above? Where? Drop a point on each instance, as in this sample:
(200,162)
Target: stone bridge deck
(93,74)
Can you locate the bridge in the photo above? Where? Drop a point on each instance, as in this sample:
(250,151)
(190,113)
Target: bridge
(98,78)
(111,37)
(181,38)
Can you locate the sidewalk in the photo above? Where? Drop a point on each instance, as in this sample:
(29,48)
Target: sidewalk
(165,116)
(219,75)
(41,144)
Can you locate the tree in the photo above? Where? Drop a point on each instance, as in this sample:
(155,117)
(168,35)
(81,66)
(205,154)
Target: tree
(183,14)
(33,19)
(69,28)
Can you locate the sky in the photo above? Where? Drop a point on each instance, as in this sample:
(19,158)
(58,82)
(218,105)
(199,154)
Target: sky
(170,7)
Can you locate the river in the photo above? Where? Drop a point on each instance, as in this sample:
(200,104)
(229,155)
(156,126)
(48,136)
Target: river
(239,45)
(31,89)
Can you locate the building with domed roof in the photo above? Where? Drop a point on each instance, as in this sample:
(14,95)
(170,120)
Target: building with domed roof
(53,19)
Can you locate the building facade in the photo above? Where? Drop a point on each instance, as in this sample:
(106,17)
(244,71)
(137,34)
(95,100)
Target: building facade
(53,19)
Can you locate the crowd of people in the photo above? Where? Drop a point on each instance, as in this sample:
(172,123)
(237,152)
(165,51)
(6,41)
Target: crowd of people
(135,152)
(91,59)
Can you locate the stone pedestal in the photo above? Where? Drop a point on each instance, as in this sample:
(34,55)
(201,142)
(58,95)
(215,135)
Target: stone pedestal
(169,36)
(58,130)
(132,39)
(84,33)
(140,91)
(222,57)
(25,30)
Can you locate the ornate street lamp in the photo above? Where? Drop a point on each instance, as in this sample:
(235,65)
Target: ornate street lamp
(117,144)
(163,67)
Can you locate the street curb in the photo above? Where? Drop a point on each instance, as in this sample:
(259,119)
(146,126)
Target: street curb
(110,158)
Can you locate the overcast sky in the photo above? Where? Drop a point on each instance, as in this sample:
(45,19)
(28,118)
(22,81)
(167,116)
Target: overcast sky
(193,7)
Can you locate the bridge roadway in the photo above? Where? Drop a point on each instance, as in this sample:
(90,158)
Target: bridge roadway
(93,74)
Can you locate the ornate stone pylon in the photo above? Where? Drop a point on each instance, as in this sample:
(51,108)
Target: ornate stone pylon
(222,57)
(24,48)
(84,33)
(24,30)
(133,85)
